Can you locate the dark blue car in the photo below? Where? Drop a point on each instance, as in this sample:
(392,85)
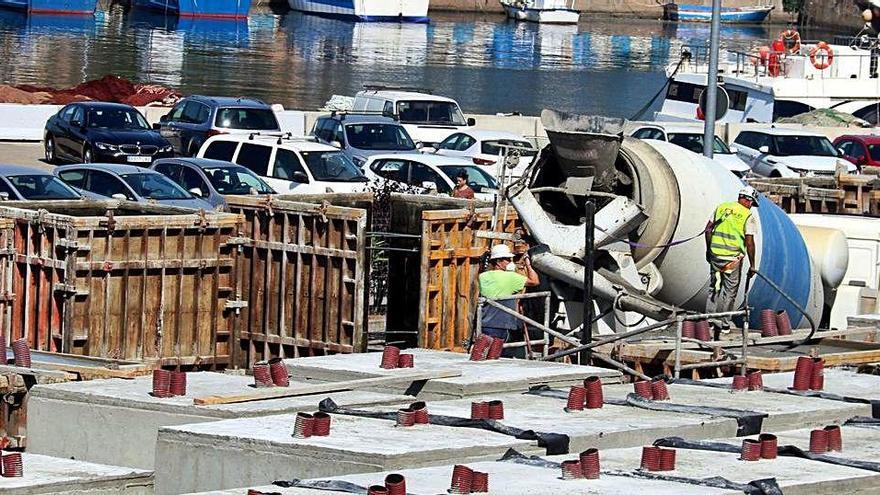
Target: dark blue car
(212,179)
(196,118)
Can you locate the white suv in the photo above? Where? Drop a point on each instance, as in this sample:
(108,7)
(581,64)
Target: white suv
(288,164)
(427,118)
(778,152)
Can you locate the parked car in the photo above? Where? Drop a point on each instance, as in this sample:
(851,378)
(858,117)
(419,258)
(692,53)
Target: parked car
(211,179)
(289,164)
(691,138)
(102,132)
(362,135)
(428,118)
(19,183)
(486,148)
(426,172)
(860,150)
(779,152)
(196,118)
(128,182)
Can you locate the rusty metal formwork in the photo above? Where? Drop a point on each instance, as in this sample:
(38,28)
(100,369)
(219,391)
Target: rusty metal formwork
(121,281)
(453,242)
(301,270)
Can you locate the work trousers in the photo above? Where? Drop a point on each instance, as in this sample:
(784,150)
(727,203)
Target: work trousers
(725,285)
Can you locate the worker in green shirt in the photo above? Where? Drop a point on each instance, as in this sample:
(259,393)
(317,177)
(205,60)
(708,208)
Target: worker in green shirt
(498,282)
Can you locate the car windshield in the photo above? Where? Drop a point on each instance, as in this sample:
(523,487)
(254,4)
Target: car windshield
(155,186)
(332,166)
(429,112)
(246,118)
(498,146)
(804,145)
(38,187)
(874,151)
(116,118)
(390,137)
(694,142)
(236,180)
(477,178)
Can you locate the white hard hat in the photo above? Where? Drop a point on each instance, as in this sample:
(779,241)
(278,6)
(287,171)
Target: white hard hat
(500,251)
(749,192)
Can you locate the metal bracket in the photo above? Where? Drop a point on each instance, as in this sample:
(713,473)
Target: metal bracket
(235,304)
(501,236)
(238,241)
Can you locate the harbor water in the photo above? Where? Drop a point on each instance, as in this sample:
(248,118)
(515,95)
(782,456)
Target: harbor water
(489,64)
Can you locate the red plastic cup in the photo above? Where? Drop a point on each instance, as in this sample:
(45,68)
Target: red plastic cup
(479,410)
(12,465)
(818,441)
(643,389)
(803,372)
(571,470)
(406,418)
(262,375)
(688,329)
(740,383)
(659,390)
(703,331)
(667,459)
(390,357)
(278,372)
(161,383)
(496,409)
(835,439)
(420,412)
(768,323)
(783,323)
(177,384)
(377,490)
(480,482)
(22,353)
(304,425)
(495,349)
(481,348)
(769,445)
(589,460)
(817,374)
(3,348)
(321,426)
(650,458)
(756,380)
(595,396)
(405,361)
(462,479)
(751,450)
(395,484)
(577,396)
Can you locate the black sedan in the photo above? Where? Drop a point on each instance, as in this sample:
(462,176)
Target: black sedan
(103,132)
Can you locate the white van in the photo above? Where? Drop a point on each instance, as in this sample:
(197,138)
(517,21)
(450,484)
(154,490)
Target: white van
(288,164)
(427,118)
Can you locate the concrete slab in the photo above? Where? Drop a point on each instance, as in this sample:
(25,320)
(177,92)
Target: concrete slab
(784,412)
(104,418)
(859,443)
(45,475)
(837,381)
(608,427)
(503,375)
(236,452)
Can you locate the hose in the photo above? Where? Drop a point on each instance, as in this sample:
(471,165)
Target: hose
(793,303)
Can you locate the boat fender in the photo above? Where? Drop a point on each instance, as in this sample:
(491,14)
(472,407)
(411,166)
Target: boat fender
(791,40)
(823,61)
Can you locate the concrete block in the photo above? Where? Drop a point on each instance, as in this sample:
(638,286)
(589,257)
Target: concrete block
(784,411)
(859,442)
(837,381)
(51,475)
(103,419)
(255,451)
(478,377)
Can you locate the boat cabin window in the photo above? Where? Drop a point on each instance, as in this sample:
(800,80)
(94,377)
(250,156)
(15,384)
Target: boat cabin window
(870,113)
(680,91)
(648,133)
(783,108)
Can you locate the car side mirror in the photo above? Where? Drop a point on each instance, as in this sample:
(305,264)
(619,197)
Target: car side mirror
(862,160)
(119,196)
(76,123)
(157,127)
(419,145)
(764,149)
(164,118)
(301,177)
(196,191)
(337,144)
(471,121)
(734,150)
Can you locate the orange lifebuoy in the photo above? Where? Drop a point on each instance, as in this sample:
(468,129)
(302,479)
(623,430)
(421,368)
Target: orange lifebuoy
(792,41)
(827,56)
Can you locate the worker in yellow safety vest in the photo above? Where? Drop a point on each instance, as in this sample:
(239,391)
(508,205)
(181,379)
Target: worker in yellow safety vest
(730,236)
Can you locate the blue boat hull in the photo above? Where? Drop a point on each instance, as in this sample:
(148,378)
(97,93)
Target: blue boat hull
(51,6)
(699,13)
(220,9)
(21,5)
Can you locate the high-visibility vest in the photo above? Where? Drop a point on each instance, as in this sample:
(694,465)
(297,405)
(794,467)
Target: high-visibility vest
(729,234)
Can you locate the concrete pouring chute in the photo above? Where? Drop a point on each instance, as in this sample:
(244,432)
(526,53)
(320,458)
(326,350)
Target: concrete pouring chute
(653,201)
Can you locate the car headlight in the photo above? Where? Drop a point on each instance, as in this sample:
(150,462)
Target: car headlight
(107,147)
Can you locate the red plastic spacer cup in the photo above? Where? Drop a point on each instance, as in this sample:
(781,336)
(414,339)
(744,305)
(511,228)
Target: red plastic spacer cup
(817,375)
(667,459)
(178,383)
(595,396)
(3,348)
(688,329)
(251,491)
(835,439)
(703,330)
(480,483)
(571,470)
(481,348)
(12,465)
(278,372)
(321,425)
(377,490)
(262,376)
(22,353)
(740,383)
(495,348)
(496,409)
(650,458)
(406,418)
(420,412)
(768,323)
(756,380)
(643,389)
(479,410)
(803,373)
(577,396)
(462,479)
(395,484)
(769,445)
(304,425)
(783,323)
(751,450)
(390,357)
(589,460)
(161,383)
(405,361)
(818,441)
(659,390)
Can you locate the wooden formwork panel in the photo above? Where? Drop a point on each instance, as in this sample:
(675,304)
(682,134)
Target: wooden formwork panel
(301,269)
(153,288)
(450,263)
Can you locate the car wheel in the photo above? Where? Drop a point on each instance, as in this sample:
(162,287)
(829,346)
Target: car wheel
(50,149)
(87,155)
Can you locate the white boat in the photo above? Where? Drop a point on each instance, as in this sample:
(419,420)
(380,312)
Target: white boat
(780,81)
(366,10)
(542,11)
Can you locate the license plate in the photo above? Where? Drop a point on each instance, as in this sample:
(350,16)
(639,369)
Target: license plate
(138,159)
